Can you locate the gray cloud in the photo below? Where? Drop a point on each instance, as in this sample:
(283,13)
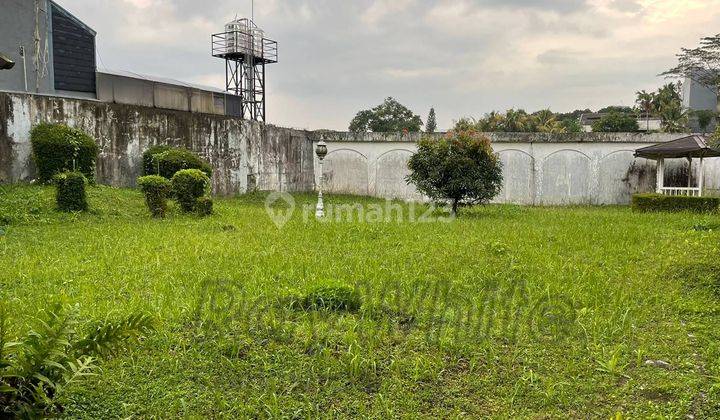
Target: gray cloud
(465,57)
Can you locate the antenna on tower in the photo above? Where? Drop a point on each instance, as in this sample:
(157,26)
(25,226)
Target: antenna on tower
(246,52)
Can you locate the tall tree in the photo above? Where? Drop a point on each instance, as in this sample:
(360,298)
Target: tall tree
(668,105)
(701,64)
(646,103)
(431,125)
(389,117)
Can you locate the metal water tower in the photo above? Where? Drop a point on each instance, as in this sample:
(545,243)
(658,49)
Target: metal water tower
(246,51)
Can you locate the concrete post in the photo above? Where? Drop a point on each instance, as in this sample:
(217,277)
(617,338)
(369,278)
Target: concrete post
(701,179)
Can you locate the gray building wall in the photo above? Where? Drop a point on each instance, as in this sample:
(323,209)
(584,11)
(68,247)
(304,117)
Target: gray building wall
(698,97)
(17,29)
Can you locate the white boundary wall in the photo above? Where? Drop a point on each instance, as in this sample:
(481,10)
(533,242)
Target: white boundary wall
(538,170)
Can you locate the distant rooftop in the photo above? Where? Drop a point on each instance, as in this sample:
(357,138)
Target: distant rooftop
(158,79)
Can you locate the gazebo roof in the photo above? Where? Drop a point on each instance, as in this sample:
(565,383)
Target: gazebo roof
(694,146)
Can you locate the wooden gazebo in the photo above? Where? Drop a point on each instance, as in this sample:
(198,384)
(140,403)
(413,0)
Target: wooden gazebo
(691,147)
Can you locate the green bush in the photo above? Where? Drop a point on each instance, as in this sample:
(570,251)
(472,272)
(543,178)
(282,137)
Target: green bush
(167,161)
(70,191)
(616,122)
(188,186)
(57,148)
(659,202)
(460,168)
(334,298)
(150,161)
(157,190)
(204,206)
(57,353)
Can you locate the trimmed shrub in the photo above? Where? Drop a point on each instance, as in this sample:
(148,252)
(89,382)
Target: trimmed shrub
(58,148)
(150,161)
(333,298)
(157,190)
(167,161)
(188,186)
(70,191)
(204,206)
(659,202)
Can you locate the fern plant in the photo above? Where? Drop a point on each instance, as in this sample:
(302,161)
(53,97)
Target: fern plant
(54,355)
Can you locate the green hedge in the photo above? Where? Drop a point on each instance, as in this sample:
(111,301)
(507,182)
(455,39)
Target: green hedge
(189,185)
(157,190)
(166,161)
(70,192)
(58,148)
(659,202)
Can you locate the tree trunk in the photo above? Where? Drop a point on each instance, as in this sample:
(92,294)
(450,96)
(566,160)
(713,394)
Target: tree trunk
(455,206)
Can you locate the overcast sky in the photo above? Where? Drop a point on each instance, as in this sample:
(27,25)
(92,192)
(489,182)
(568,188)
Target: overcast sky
(464,57)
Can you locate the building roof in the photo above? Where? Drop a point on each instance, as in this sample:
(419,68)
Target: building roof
(694,146)
(588,119)
(73,18)
(158,79)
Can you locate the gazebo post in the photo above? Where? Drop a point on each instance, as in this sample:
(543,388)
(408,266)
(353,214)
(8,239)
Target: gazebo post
(660,175)
(701,180)
(689,171)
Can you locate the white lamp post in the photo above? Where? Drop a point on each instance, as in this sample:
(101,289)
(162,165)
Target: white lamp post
(321,151)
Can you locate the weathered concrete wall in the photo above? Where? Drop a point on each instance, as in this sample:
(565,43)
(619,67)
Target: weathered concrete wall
(540,169)
(244,154)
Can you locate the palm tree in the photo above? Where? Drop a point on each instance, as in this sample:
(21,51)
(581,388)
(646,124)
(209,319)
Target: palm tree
(646,102)
(674,116)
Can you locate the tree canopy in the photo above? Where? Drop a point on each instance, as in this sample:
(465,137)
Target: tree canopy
(388,117)
(616,122)
(460,168)
(519,121)
(701,64)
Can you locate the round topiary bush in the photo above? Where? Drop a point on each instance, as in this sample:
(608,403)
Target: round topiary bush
(157,190)
(188,186)
(70,192)
(58,148)
(166,161)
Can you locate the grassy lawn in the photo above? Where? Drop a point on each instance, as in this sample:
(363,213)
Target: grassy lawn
(506,312)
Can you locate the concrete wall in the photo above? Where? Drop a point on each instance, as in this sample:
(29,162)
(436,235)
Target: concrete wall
(244,154)
(538,169)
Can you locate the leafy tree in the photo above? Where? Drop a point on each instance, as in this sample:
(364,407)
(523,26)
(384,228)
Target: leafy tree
(704,118)
(715,138)
(388,117)
(460,168)
(701,64)
(617,109)
(616,122)
(431,125)
(572,125)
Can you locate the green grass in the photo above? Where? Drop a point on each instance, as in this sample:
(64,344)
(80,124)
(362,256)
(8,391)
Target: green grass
(619,288)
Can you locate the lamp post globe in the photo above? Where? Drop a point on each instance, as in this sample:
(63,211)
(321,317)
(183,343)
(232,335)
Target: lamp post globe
(321,151)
